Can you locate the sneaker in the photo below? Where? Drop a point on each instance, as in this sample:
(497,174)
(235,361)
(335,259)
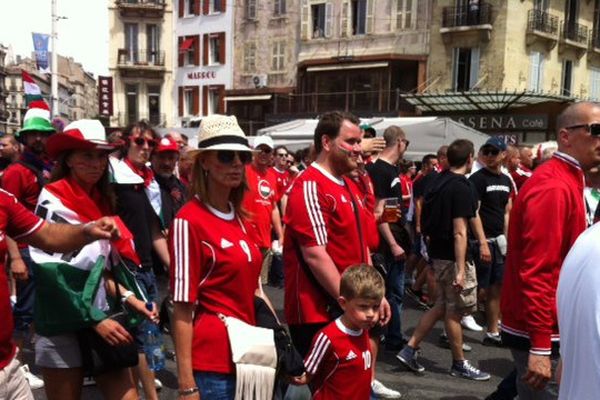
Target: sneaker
(445,343)
(410,361)
(157,384)
(465,370)
(34,381)
(469,323)
(380,391)
(89,381)
(492,339)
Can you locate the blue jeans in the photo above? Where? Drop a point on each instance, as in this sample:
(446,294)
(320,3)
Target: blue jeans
(215,386)
(23,310)
(395,293)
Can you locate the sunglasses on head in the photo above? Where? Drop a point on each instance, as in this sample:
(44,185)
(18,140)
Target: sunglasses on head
(141,140)
(490,151)
(227,156)
(593,129)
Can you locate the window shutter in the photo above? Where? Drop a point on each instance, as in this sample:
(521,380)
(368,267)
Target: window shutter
(197,50)
(180,103)
(534,73)
(196,96)
(370,13)
(344,18)
(455,53)
(205,100)
(222,48)
(221,91)
(223,5)
(196,6)
(251,9)
(205,50)
(282,7)
(181,8)
(305,20)
(328,19)
(474,72)
(180,54)
(206,7)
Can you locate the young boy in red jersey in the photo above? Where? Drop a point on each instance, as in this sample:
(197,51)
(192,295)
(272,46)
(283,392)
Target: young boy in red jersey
(339,364)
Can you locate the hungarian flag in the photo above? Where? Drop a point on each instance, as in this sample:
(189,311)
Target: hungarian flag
(70,292)
(30,88)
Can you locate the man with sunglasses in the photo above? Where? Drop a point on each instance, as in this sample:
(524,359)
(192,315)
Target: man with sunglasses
(547,216)
(281,168)
(260,200)
(493,190)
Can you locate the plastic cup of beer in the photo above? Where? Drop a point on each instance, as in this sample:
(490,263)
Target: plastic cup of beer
(390,210)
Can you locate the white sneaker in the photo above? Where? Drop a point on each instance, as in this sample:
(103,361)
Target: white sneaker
(469,323)
(34,381)
(157,384)
(379,391)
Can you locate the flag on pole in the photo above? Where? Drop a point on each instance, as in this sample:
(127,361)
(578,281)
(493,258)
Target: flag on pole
(30,88)
(40,47)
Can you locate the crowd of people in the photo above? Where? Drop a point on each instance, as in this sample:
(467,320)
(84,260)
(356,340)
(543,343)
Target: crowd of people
(92,224)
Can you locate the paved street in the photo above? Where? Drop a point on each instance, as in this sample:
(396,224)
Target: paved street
(435,384)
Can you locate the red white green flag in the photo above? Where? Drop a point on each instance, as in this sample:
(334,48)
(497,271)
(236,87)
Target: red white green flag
(30,88)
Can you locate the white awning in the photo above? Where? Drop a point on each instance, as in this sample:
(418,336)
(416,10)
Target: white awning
(347,66)
(252,97)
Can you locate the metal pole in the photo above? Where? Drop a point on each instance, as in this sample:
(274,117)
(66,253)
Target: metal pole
(54,79)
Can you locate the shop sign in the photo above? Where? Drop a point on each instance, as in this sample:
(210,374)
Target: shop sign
(514,122)
(105,96)
(202,75)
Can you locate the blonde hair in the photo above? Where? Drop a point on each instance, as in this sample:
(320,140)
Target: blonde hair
(199,186)
(362,281)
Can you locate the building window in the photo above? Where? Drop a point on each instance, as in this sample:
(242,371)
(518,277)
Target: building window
(131,42)
(406,14)
(540,5)
(250,57)
(131,92)
(536,60)
(153,43)
(214,6)
(567,78)
(251,9)
(213,101)
(318,20)
(188,102)
(154,105)
(595,83)
(279,7)
(214,43)
(465,70)
(189,7)
(278,56)
(359,17)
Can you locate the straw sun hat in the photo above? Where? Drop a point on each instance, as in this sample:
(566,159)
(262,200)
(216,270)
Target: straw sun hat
(221,132)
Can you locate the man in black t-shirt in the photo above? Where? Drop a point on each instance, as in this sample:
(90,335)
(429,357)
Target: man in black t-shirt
(449,205)
(394,239)
(493,189)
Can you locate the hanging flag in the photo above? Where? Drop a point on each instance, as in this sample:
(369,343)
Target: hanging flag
(30,88)
(40,47)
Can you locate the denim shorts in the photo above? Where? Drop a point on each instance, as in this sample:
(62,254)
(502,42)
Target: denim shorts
(215,386)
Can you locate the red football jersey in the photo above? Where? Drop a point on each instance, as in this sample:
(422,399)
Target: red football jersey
(215,264)
(319,212)
(284,178)
(362,187)
(23,184)
(15,221)
(340,363)
(259,201)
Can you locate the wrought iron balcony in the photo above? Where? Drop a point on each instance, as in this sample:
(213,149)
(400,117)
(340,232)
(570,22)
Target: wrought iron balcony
(141,63)
(575,37)
(141,8)
(542,27)
(480,14)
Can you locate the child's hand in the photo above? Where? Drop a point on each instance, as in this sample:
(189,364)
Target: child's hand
(299,380)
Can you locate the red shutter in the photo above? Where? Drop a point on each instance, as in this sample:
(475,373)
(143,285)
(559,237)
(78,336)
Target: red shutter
(205,7)
(223,6)
(180,104)
(221,91)
(197,50)
(205,100)
(222,48)
(181,8)
(196,7)
(180,54)
(205,50)
(196,92)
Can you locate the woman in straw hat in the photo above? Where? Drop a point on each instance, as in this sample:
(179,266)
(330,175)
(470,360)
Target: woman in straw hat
(73,288)
(215,262)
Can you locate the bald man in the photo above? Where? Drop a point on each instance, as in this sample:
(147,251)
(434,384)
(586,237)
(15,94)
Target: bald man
(10,150)
(526,158)
(518,172)
(547,217)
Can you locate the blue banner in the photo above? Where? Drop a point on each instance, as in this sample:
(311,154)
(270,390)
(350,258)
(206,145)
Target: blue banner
(40,47)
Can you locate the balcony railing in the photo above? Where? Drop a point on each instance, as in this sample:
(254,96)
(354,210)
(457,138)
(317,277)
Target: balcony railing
(595,39)
(453,17)
(142,8)
(155,119)
(574,32)
(141,58)
(540,21)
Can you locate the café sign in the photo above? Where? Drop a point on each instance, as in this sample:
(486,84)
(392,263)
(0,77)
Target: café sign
(508,122)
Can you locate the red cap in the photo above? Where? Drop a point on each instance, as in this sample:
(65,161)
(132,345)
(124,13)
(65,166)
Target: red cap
(167,144)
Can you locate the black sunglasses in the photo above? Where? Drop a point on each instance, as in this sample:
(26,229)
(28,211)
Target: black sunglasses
(490,151)
(227,156)
(141,140)
(266,150)
(406,141)
(593,129)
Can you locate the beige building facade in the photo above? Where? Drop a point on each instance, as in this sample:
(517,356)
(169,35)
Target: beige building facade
(509,66)
(141,61)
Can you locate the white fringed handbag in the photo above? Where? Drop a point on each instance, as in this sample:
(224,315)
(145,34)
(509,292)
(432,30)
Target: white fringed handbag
(255,358)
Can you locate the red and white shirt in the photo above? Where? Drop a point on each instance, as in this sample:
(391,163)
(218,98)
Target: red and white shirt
(284,178)
(259,201)
(215,263)
(17,222)
(362,187)
(23,184)
(319,212)
(340,363)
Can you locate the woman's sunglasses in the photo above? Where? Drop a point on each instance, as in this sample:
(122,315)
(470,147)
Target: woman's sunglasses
(227,156)
(141,140)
